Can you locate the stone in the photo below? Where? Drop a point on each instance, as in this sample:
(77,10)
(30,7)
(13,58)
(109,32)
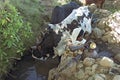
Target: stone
(94,67)
(79,65)
(117,57)
(99,77)
(91,78)
(102,23)
(116,77)
(88,71)
(80,74)
(88,61)
(67,69)
(92,8)
(97,32)
(102,13)
(103,70)
(91,54)
(52,73)
(106,62)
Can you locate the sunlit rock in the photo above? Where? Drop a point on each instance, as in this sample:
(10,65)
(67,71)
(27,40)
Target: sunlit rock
(102,13)
(106,62)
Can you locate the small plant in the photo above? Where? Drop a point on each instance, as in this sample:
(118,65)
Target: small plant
(13,32)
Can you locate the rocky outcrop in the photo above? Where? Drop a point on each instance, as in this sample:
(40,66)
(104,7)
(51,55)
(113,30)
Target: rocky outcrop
(108,30)
(88,69)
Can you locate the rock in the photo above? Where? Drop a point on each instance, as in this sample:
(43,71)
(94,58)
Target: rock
(103,70)
(116,77)
(115,70)
(116,4)
(97,32)
(88,71)
(79,65)
(105,54)
(90,54)
(94,67)
(91,78)
(102,13)
(106,62)
(52,74)
(117,57)
(102,23)
(92,8)
(67,69)
(80,74)
(88,61)
(99,77)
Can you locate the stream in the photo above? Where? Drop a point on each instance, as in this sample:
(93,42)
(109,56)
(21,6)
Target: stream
(30,69)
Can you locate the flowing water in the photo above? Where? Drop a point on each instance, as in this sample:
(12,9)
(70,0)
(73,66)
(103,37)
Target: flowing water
(30,69)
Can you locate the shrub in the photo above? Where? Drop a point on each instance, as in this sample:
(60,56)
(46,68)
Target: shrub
(13,32)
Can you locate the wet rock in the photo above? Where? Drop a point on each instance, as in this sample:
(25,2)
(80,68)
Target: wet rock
(106,62)
(116,77)
(88,61)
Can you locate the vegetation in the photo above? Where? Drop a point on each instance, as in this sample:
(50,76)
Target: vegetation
(13,34)
(33,12)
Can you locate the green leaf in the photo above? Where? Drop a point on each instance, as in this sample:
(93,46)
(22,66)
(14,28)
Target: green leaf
(4,21)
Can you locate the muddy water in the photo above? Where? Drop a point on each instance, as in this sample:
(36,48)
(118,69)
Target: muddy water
(30,69)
